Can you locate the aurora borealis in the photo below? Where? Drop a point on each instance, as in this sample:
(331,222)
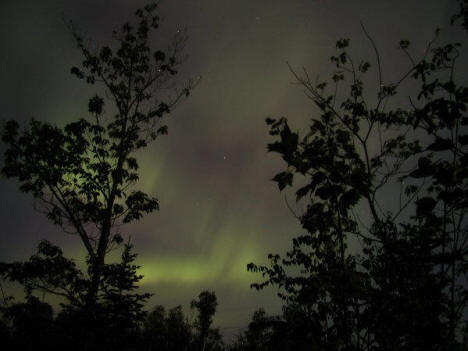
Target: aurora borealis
(219,211)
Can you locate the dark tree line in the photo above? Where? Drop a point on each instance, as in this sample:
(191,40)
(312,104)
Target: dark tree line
(366,273)
(32,325)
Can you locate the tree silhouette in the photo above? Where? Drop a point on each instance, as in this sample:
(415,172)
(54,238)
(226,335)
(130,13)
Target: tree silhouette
(404,288)
(155,329)
(179,336)
(206,307)
(82,174)
(169,331)
(263,333)
(172,331)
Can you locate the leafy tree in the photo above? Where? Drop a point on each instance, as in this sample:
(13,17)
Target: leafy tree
(48,270)
(168,331)
(206,307)
(179,336)
(263,333)
(83,174)
(404,289)
(113,322)
(291,331)
(155,329)
(258,332)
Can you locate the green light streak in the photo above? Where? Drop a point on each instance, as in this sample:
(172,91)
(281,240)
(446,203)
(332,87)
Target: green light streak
(225,263)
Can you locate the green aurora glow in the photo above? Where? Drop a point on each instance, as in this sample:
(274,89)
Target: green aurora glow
(219,211)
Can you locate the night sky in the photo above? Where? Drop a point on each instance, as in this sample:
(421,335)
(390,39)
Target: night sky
(211,174)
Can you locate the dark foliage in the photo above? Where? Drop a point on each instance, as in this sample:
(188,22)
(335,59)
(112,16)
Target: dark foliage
(366,275)
(110,323)
(32,326)
(207,338)
(82,176)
